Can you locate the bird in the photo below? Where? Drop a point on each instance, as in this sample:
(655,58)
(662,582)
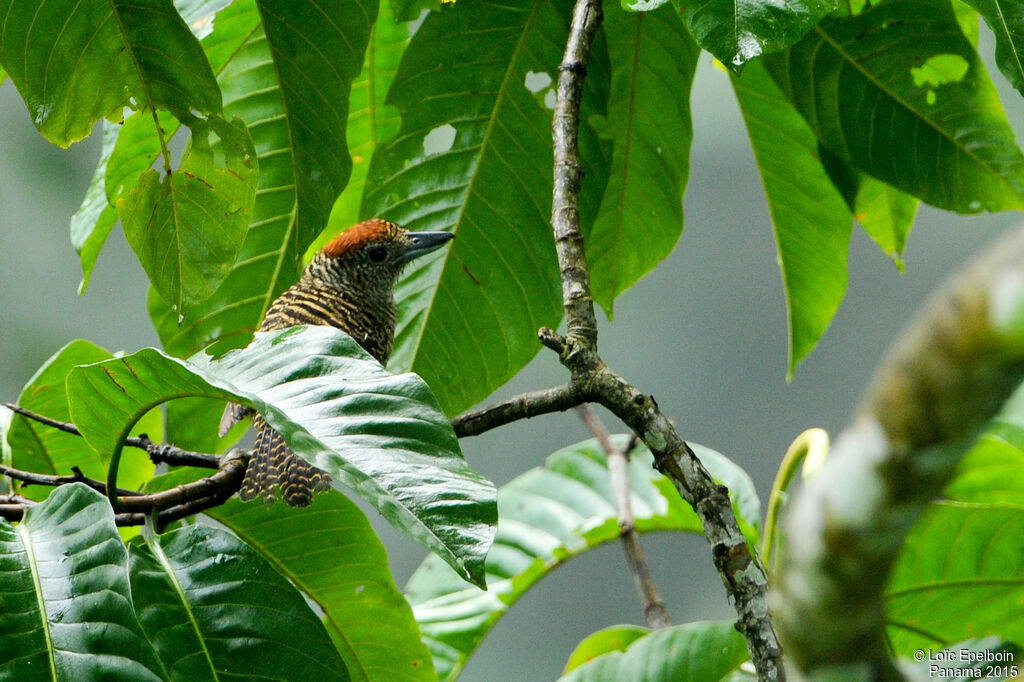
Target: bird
(349,285)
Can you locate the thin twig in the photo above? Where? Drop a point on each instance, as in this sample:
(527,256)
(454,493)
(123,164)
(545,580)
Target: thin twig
(655,611)
(158,452)
(77,476)
(742,575)
(522,406)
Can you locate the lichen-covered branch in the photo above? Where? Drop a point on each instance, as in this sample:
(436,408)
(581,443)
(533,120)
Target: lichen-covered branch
(947,374)
(742,575)
(522,406)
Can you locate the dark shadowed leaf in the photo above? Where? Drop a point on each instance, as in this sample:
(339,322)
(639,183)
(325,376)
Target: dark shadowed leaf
(1006,19)
(331,553)
(473,156)
(961,568)
(214,608)
(45,450)
(737,31)
(65,603)
(811,220)
(695,652)
(316,50)
(77,62)
(380,434)
(641,216)
(547,516)
(923,104)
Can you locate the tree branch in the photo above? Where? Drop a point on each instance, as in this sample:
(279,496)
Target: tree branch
(618,471)
(742,575)
(522,406)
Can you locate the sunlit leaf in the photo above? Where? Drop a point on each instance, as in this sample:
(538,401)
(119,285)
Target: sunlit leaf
(547,516)
(380,434)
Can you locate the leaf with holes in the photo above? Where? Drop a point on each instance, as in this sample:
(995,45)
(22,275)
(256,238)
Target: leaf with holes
(45,450)
(297,124)
(473,156)
(811,220)
(214,608)
(77,62)
(738,31)
(547,516)
(641,214)
(928,120)
(380,434)
(65,601)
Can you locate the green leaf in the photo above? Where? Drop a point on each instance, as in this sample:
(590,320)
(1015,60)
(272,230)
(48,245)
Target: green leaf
(695,652)
(614,638)
(77,62)
(94,219)
(65,602)
(927,119)
(331,553)
(187,227)
(886,214)
(193,424)
(1006,19)
(811,220)
(407,10)
(370,120)
(46,450)
(473,156)
(547,516)
(380,434)
(736,32)
(641,213)
(297,123)
(214,608)
(960,573)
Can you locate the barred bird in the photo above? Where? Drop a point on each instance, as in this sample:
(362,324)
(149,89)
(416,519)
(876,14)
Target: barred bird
(349,285)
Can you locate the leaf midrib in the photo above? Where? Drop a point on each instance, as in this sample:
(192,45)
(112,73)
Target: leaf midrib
(848,59)
(26,541)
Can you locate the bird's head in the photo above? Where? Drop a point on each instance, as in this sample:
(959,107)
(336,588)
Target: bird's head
(371,254)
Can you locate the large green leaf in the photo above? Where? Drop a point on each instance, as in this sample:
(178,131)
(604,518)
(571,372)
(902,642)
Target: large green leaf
(290,84)
(604,641)
(473,156)
(187,225)
(811,220)
(695,652)
(75,62)
(95,218)
(886,214)
(214,608)
(331,553)
(1006,19)
(371,120)
(901,95)
(961,571)
(380,434)
(737,31)
(641,216)
(65,603)
(547,516)
(46,450)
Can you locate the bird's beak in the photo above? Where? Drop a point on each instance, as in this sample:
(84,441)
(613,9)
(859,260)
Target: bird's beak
(424,242)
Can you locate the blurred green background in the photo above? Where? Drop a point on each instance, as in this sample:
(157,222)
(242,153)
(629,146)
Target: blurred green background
(705,334)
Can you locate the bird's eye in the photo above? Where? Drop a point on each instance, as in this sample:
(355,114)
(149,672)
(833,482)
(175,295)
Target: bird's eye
(378,254)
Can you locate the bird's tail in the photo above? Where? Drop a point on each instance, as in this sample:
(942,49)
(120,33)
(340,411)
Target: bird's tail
(273,464)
